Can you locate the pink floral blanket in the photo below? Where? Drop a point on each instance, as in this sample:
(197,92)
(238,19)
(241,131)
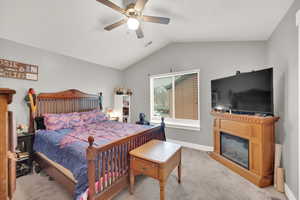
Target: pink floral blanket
(103,133)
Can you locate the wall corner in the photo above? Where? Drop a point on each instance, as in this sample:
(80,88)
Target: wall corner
(298,18)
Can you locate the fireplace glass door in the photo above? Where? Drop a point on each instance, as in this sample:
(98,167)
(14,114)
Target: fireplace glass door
(235,149)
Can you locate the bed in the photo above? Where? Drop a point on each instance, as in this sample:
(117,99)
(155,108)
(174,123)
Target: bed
(92,160)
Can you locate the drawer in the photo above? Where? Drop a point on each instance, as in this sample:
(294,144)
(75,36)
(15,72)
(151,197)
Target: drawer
(145,167)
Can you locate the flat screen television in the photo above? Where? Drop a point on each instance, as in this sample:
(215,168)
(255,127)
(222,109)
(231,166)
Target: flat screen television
(250,93)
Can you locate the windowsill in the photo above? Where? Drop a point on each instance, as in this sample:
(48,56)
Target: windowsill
(178,125)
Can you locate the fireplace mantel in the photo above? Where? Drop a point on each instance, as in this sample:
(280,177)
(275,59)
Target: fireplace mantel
(261,135)
(246,118)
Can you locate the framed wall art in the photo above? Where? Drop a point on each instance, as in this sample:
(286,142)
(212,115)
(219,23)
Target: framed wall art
(17,70)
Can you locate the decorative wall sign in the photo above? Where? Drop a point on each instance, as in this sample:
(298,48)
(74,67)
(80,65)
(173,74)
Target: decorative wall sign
(12,69)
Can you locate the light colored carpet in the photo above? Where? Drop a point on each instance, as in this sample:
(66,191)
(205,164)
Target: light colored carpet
(202,179)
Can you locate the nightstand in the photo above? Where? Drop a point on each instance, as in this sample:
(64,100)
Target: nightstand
(24,153)
(156,159)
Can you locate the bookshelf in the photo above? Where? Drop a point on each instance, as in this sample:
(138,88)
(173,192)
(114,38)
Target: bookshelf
(24,154)
(122,107)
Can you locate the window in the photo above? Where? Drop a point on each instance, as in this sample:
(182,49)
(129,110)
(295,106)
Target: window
(175,96)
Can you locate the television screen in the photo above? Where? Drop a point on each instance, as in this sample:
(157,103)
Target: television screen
(245,92)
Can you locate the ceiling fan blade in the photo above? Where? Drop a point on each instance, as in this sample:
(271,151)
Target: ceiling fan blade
(140,4)
(139,33)
(112,5)
(115,25)
(160,20)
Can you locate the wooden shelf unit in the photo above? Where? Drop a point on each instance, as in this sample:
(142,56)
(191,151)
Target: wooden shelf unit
(122,107)
(260,131)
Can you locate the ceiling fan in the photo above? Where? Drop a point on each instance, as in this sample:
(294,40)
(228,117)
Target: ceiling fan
(133,16)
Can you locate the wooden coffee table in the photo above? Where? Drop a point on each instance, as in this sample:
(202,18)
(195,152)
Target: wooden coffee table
(156,159)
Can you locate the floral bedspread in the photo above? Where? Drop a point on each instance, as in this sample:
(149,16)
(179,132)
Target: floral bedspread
(67,147)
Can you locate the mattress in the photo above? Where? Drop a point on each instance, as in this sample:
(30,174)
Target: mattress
(67,147)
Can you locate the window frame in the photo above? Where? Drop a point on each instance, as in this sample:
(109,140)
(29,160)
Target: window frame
(173,122)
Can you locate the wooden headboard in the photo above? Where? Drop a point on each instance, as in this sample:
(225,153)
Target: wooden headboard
(65,102)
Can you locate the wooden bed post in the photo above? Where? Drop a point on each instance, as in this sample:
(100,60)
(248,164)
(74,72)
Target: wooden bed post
(91,157)
(163,125)
(100,101)
(31,128)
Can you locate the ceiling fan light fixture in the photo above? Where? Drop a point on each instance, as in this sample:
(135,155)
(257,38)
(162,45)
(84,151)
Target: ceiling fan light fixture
(133,23)
(133,16)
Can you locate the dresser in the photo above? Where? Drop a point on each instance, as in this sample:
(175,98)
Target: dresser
(7,157)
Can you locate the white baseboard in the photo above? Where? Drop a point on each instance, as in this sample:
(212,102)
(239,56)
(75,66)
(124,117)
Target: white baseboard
(192,145)
(289,193)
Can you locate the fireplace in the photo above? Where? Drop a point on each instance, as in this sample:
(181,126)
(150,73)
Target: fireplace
(245,144)
(235,149)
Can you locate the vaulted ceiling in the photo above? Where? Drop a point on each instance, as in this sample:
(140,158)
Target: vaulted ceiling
(75,27)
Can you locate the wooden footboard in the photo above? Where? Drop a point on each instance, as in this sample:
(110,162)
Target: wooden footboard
(108,166)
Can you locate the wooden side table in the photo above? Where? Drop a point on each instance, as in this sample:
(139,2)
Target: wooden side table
(156,159)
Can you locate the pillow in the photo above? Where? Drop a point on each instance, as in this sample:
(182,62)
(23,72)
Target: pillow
(56,121)
(39,121)
(61,121)
(93,116)
(74,120)
(100,116)
(88,117)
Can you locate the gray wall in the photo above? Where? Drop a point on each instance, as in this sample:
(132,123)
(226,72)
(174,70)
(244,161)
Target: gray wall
(282,54)
(214,59)
(219,59)
(56,72)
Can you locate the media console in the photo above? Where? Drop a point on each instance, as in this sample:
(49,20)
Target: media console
(246,145)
